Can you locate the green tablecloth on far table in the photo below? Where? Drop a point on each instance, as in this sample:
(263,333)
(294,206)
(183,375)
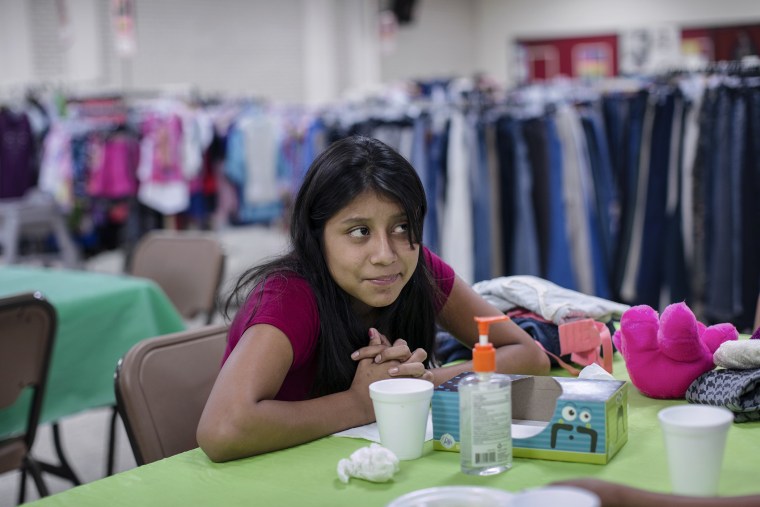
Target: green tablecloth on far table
(100,317)
(306,474)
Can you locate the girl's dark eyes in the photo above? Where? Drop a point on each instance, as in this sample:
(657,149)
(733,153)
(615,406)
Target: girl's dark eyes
(360,232)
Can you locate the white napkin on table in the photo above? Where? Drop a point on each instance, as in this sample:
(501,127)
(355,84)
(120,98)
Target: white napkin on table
(371,433)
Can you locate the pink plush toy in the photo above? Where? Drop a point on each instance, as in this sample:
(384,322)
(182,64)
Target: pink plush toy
(664,356)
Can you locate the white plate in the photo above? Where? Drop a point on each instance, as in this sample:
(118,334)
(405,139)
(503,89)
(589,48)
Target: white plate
(551,496)
(454,496)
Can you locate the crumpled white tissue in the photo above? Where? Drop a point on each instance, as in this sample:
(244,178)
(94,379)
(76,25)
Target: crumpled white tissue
(595,372)
(374,463)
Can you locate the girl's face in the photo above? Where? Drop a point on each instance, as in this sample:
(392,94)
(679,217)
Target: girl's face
(366,247)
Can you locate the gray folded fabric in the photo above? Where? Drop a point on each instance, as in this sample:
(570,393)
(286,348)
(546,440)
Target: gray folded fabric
(737,390)
(738,355)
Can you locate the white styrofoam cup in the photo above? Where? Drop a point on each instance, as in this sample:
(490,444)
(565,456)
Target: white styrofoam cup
(695,440)
(401,410)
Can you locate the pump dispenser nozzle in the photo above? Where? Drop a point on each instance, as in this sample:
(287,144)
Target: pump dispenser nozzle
(484,355)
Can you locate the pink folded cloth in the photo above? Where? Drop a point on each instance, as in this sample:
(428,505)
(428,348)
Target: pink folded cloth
(586,341)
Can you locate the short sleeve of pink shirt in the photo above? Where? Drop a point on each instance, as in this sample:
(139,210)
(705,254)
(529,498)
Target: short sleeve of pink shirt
(288,303)
(442,274)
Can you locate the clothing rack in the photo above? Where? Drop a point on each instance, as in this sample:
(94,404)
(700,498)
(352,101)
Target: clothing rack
(509,136)
(633,176)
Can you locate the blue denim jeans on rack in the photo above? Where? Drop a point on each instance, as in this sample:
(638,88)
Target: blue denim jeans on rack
(559,268)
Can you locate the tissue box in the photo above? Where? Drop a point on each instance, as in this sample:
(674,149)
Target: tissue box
(555,418)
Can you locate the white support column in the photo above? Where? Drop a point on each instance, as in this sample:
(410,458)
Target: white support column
(363,44)
(341,48)
(320,43)
(15,43)
(83,53)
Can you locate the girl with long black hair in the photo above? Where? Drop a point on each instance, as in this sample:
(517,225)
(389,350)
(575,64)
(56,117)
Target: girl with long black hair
(356,299)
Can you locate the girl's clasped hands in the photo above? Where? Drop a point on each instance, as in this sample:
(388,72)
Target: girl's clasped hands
(381,359)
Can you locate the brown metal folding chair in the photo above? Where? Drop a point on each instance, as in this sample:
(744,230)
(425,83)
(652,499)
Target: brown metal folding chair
(162,385)
(27,332)
(188,266)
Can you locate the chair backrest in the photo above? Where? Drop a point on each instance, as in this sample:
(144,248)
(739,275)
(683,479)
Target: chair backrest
(187,265)
(27,332)
(162,385)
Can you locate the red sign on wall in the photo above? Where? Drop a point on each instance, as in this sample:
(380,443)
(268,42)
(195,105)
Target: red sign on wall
(728,43)
(577,57)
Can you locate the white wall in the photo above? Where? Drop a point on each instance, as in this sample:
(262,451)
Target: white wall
(310,51)
(285,50)
(320,62)
(358,45)
(35,49)
(500,22)
(439,43)
(84,61)
(15,44)
(243,46)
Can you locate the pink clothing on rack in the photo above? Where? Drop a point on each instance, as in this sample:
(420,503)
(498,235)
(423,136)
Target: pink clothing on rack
(163,186)
(113,173)
(166,134)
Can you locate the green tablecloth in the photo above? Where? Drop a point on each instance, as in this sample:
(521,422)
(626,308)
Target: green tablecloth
(100,317)
(306,475)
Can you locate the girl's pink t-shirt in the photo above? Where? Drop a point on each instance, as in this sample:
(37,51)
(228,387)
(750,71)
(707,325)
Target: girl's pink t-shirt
(288,303)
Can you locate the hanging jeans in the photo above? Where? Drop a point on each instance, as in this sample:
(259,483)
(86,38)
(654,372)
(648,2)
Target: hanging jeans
(720,297)
(534,131)
(481,203)
(636,107)
(606,196)
(651,269)
(525,257)
(559,268)
(434,184)
(750,212)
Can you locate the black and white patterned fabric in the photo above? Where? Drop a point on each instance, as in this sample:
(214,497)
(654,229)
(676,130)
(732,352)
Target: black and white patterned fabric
(737,390)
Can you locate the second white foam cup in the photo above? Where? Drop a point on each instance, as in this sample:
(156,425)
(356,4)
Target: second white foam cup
(695,440)
(401,408)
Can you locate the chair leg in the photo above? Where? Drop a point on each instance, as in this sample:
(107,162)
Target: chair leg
(112,442)
(66,468)
(35,470)
(63,470)
(22,486)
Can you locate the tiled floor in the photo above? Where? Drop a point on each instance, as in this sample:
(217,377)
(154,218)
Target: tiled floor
(85,435)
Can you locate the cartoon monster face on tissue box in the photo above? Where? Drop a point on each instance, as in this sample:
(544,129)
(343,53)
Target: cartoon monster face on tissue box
(556,418)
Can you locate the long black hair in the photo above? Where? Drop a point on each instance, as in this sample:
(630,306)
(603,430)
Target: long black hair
(344,170)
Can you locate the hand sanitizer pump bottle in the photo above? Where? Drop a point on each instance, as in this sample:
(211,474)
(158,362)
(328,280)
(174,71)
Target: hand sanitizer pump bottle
(485,410)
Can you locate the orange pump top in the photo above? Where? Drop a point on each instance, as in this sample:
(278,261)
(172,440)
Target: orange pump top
(484,354)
